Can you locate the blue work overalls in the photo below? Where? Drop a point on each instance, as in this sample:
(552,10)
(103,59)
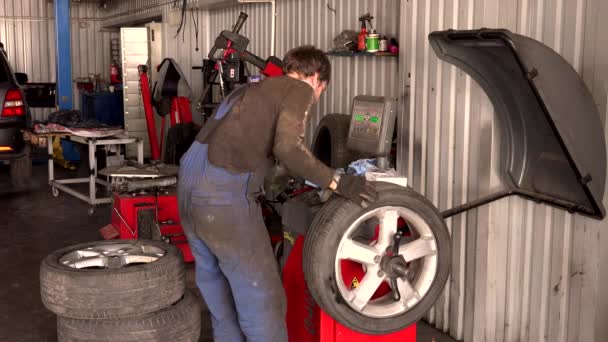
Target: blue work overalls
(236,271)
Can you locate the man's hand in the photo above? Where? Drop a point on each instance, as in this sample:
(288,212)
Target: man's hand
(357,189)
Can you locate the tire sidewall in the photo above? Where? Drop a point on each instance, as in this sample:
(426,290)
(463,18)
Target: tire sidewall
(182,319)
(337,126)
(21,168)
(111,293)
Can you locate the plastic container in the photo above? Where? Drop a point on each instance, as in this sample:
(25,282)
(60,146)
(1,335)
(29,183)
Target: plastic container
(372,41)
(383,46)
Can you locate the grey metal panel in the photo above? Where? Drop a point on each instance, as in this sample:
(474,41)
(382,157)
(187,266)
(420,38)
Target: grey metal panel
(134,52)
(521,271)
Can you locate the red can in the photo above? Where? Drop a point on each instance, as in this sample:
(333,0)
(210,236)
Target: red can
(114,73)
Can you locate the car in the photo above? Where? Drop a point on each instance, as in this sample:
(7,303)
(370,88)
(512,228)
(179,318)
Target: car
(14,117)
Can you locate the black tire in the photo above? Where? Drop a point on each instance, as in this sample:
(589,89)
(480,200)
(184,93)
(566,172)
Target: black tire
(180,322)
(329,141)
(21,169)
(146,224)
(320,249)
(179,139)
(105,293)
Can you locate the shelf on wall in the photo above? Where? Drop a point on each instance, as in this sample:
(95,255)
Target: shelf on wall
(357,54)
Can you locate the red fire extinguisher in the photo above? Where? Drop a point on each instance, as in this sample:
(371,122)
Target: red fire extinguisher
(114,73)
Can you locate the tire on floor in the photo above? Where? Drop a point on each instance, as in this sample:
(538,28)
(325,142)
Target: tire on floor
(94,292)
(180,322)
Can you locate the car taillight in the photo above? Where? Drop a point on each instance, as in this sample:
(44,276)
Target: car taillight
(13,103)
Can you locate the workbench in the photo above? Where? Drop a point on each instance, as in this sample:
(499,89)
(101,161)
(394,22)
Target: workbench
(92,143)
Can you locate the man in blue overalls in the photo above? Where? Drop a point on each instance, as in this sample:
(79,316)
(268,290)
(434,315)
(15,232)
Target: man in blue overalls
(220,178)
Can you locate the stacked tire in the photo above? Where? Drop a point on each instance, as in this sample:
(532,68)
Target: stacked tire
(120,290)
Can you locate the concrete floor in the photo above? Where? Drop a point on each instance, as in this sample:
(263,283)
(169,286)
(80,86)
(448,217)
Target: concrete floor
(34,225)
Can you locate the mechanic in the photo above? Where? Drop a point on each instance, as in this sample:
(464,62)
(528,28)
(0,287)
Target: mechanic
(220,178)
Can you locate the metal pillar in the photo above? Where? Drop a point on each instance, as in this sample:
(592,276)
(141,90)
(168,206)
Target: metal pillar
(64,54)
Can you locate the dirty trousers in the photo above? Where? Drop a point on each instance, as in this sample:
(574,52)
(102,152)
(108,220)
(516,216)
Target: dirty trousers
(236,271)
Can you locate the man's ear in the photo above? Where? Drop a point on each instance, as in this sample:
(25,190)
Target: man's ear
(316,79)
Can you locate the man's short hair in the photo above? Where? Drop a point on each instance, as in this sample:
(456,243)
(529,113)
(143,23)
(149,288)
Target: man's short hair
(307,60)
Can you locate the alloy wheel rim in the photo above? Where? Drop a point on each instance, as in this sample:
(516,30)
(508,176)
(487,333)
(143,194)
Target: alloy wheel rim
(116,255)
(419,253)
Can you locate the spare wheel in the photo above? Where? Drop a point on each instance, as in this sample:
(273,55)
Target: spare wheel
(377,270)
(329,141)
(112,279)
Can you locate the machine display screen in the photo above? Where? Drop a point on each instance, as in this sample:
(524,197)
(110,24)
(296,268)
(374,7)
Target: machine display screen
(372,116)
(362,117)
(367,119)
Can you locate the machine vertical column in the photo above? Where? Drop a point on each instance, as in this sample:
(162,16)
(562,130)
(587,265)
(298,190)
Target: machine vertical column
(64,54)
(49,147)
(92,170)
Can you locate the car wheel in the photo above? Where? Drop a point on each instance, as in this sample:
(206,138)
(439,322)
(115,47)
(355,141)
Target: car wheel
(21,169)
(379,269)
(112,279)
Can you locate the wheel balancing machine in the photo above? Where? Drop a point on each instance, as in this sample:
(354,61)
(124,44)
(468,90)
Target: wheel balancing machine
(363,274)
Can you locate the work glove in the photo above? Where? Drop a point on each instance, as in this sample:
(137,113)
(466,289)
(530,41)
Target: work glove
(357,189)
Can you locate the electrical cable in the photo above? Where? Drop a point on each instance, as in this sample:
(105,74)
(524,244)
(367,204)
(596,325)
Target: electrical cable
(183,18)
(195,23)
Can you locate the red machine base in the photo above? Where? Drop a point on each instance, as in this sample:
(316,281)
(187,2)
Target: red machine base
(306,322)
(132,217)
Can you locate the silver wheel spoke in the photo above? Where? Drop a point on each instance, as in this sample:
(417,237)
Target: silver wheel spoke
(366,289)
(145,250)
(112,255)
(409,295)
(417,249)
(97,250)
(359,252)
(388,228)
(138,258)
(91,261)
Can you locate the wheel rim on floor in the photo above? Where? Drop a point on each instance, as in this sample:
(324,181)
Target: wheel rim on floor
(116,255)
(416,261)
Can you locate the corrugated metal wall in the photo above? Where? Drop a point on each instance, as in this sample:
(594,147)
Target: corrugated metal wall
(299,22)
(317,22)
(28,32)
(521,271)
(119,12)
(182,48)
